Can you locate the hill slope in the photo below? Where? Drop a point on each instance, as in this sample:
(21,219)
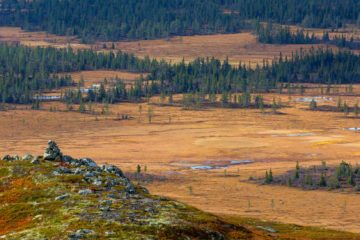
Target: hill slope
(58,197)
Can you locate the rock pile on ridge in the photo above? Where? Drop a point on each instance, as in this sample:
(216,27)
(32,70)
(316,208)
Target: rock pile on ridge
(52,152)
(68,198)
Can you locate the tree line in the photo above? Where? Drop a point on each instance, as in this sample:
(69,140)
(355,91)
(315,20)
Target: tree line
(267,33)
(25,71)
(308,13)
(117,19)
(147,19)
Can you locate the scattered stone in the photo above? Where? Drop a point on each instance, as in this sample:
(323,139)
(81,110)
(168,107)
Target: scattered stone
(62,197)
(85,192)
(106,202)
(67,159)
(113,196)
(38,217)
(147,201)
(36,160)
(145,191)
(77,171)
(90,174)
(105,208)
(113,169)
(109,233)
(8,158)
(97,182)
(82,233)
(28,157)
(267,229)
(87,162)
(62,170)
(52,152)
(130,188)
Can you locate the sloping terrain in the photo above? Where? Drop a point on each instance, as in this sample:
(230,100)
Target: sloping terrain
(58,197)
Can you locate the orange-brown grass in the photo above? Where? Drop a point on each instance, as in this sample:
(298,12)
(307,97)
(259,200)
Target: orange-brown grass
(15,190)
(8,224)
(178,138)
(98,76)
(241,47)
(38,39)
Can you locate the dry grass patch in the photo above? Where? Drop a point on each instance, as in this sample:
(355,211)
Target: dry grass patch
(241,47)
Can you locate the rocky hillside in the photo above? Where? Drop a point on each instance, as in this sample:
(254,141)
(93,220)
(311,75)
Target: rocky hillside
(55,196)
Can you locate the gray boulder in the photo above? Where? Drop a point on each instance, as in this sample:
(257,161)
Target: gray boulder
(85,192)
(62,170)
(89,174)
(87,162)
(52,152)
(28,157)
(62,197)
(67,159)
(8,158)
(36,160)
(77,171)
(130,188)
(81,234)
(97,182)
(113,169)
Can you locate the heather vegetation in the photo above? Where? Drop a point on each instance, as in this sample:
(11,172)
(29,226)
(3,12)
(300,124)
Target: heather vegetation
(55,196)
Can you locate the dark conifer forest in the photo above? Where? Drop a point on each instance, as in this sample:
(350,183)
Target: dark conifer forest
(25,71)
(267,33)
(147,19)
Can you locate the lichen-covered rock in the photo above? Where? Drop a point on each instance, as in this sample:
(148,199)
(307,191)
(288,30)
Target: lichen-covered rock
(28,157)
(52,152)
(113,169)
(8,158)
(67,159)
(130,188)
(87,162)
(36,160)
(81,234)
(62,170)
(85,192)
(62,197)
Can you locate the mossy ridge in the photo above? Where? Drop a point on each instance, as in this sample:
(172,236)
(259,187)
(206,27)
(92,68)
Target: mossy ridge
(29,208)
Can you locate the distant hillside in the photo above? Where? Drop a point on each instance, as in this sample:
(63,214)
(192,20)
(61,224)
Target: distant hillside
(147,19)
(57,197)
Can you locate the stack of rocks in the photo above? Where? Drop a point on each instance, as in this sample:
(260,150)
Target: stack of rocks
(52,152)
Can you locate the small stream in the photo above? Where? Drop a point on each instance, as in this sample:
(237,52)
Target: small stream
(221,165)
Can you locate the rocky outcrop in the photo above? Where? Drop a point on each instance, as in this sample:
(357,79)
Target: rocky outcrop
(52,152)
(69,198)
(28,157)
